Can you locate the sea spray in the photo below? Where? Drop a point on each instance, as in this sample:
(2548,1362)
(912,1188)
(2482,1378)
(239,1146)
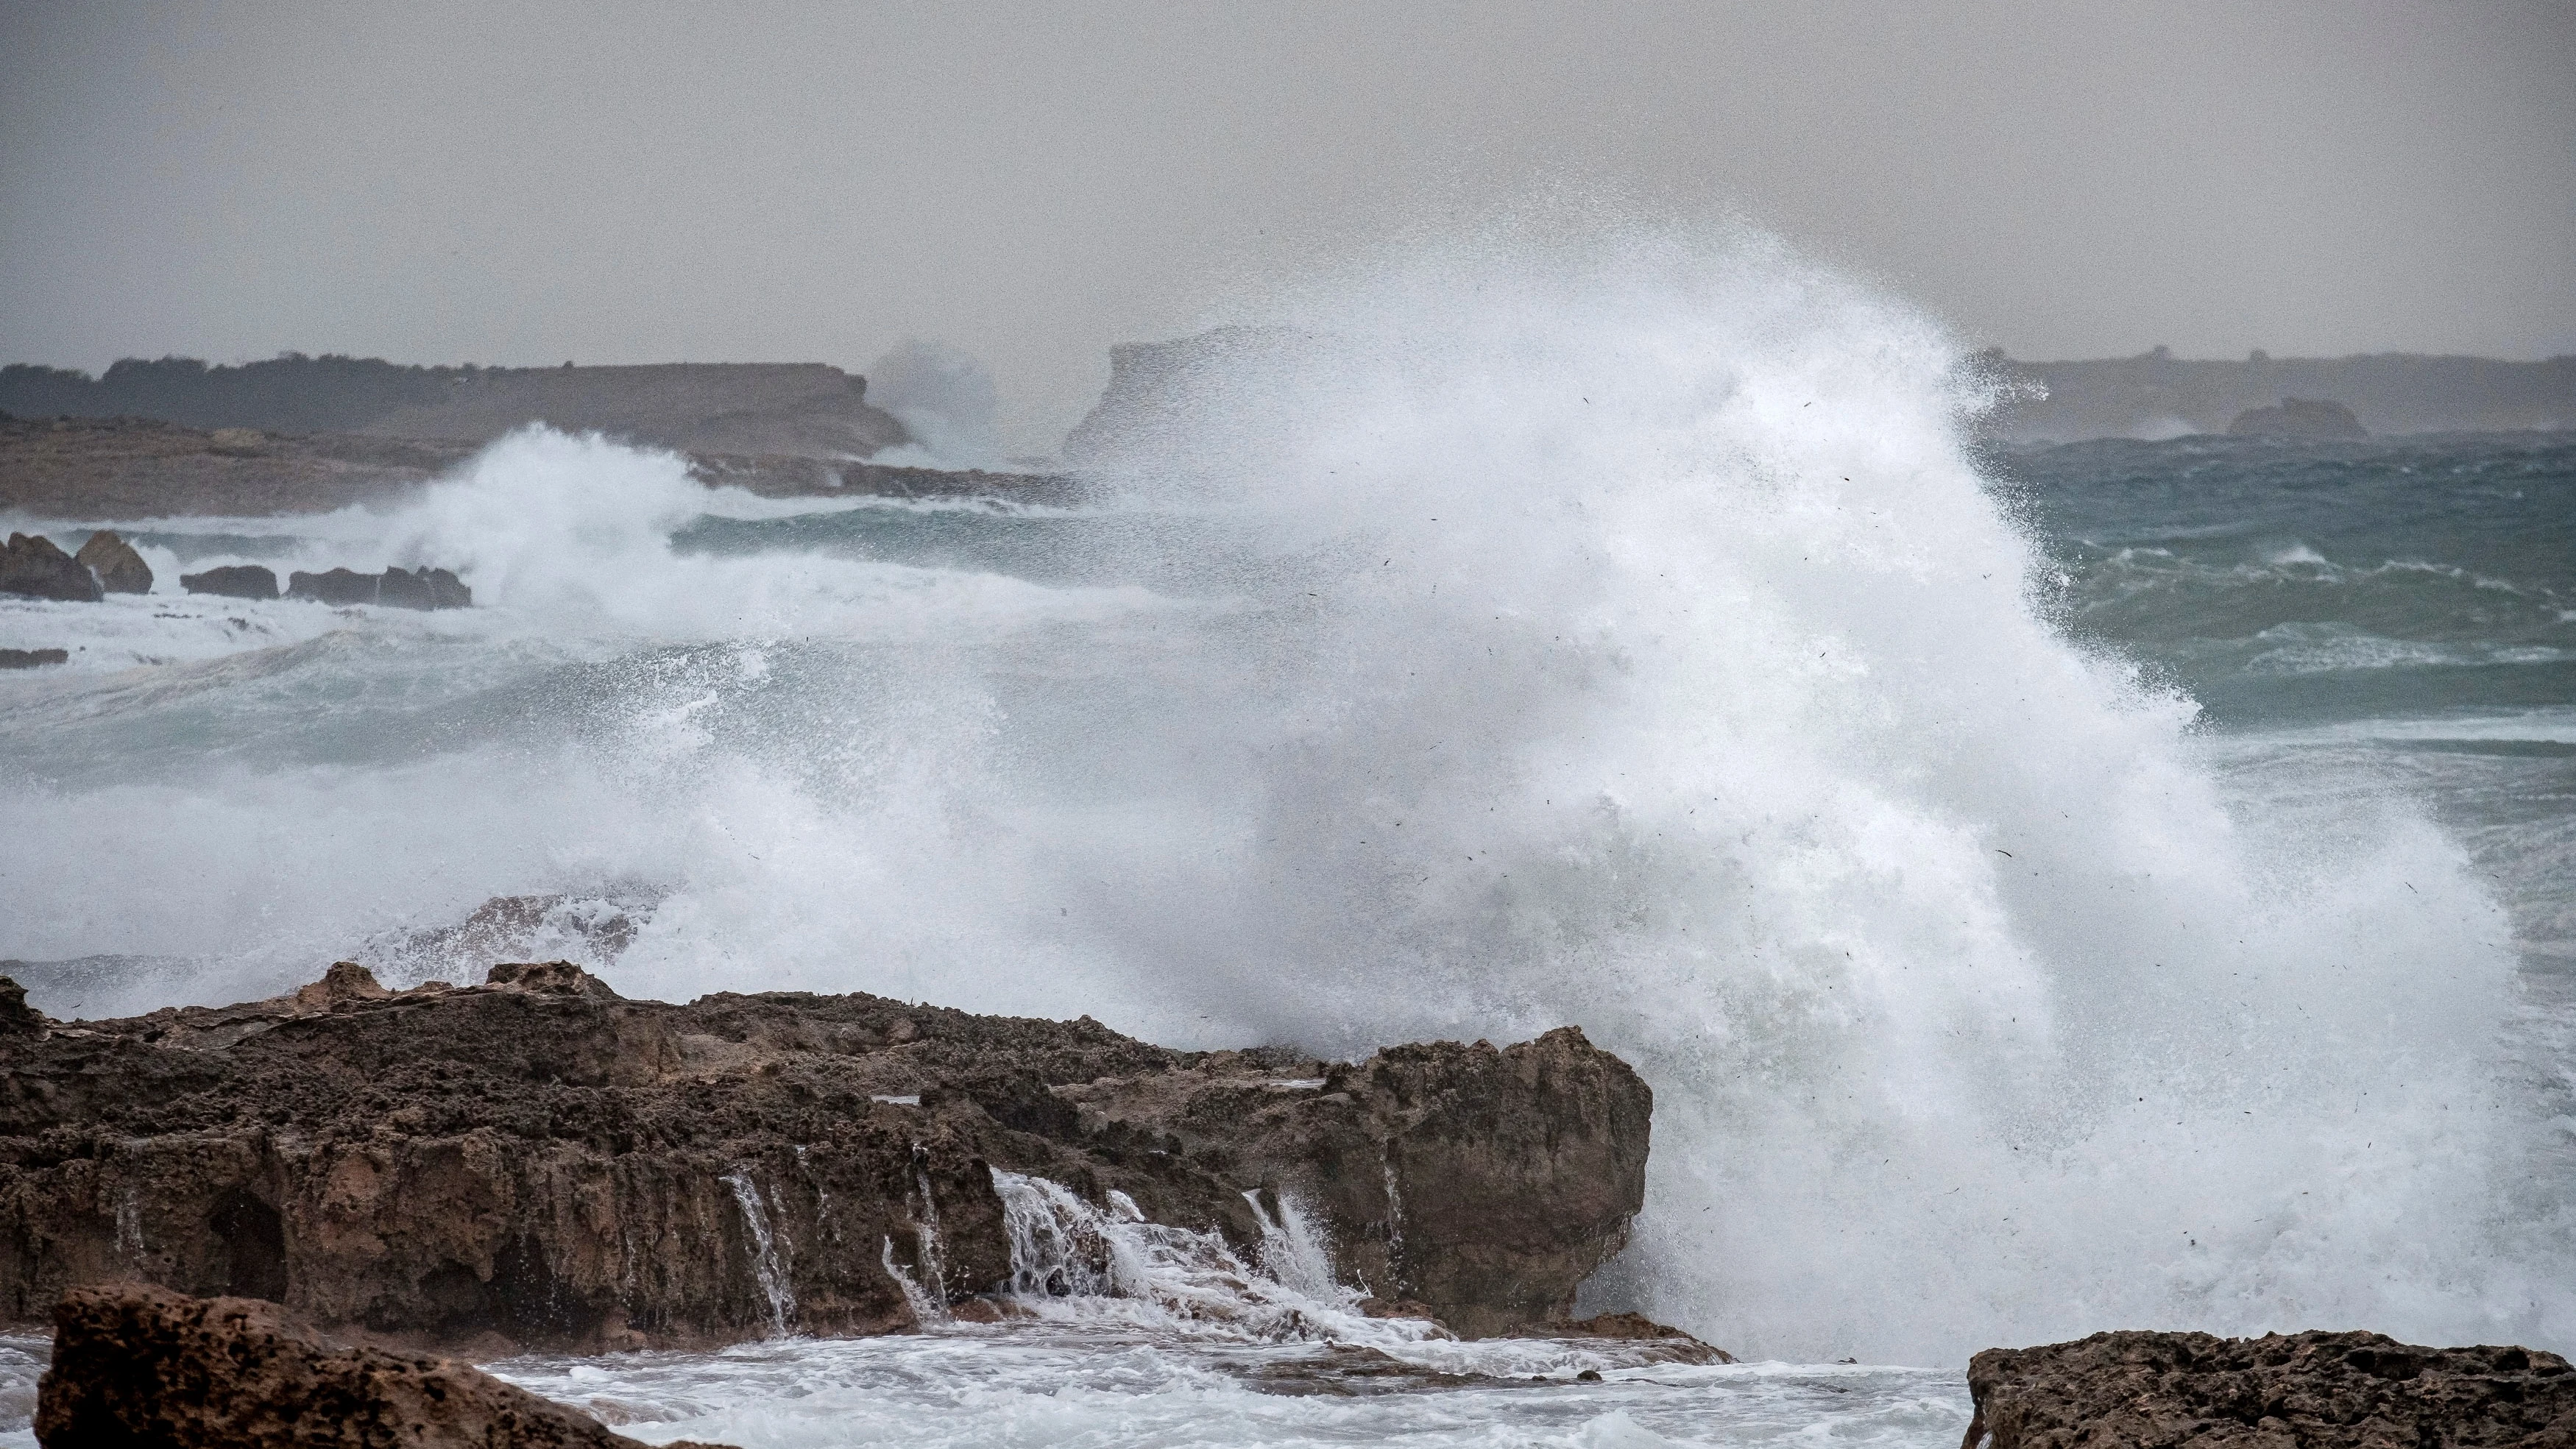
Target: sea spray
(1619,634)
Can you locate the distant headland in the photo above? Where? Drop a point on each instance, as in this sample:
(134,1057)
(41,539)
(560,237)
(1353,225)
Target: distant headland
(2157,394)
(297,434)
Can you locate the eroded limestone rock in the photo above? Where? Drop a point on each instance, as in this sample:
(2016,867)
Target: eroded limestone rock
(119,568)
(2281,1391)
(537,1162)
(140,1367)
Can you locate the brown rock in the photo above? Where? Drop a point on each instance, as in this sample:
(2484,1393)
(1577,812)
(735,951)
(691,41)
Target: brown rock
(538,1162)
(32,566)
(2281,1391)
(139,1367)
(1672,1344)
(119,568)
(1487,1184)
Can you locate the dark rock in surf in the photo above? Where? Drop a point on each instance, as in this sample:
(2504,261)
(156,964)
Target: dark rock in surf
(2294,418)
(140,1367)
(2281,1391)
(233,581)
(338,586)
(32,567)
(426,588)
(119,568)
(33,658)
(537,1162)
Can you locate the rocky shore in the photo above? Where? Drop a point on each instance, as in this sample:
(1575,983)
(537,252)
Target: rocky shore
(2280,1391)
(535,1162)
(129,468)
(138,1367)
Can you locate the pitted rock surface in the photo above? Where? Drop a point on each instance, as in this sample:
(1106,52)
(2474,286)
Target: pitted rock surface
(538,1162)
(138,1367)
(2281,1391)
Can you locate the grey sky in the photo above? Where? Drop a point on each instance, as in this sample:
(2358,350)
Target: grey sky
(529,182)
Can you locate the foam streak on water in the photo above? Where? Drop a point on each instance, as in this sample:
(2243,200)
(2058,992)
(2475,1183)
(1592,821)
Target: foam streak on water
(1623,636)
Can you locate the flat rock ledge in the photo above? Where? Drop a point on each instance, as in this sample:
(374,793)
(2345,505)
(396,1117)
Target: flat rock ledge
(2282,1391)
(139,1367)
(538,1163)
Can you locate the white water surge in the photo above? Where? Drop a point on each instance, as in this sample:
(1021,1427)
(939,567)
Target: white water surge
(1625,640)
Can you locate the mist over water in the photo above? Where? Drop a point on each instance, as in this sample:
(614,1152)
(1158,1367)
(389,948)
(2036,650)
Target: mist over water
(1623,636)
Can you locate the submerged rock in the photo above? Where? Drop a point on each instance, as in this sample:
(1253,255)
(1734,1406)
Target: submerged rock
(32,566)
(233,581)
(33,658)
(537,1162)
(426,588)
(2281,1391)
(144,1368)
(119,568)
(2296,418)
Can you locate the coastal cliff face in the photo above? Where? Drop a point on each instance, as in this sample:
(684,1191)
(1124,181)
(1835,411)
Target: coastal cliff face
(537,1162)
(2309,1390)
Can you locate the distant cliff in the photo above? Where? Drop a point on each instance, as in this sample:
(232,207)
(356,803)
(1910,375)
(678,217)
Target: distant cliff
(792,409)
(1156,388)
(2157,394)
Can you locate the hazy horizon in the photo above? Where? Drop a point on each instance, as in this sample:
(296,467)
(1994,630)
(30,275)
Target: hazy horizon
(523,185)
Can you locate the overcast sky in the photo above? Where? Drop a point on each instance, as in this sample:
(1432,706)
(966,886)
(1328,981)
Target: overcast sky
(530,182)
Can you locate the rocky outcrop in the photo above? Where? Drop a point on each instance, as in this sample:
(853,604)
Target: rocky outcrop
(2280,1391)
(119,568)
(1485,1183)
(422,588)
(139,1367)
(32,567)
(33,658)
(425,588)
(233,581)
(1160,393)
(2298,418)
(538,1162)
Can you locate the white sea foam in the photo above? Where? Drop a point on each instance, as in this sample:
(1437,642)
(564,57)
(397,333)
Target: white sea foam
(1620,636)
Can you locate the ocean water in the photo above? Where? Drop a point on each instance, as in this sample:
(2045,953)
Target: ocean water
(2124,884)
